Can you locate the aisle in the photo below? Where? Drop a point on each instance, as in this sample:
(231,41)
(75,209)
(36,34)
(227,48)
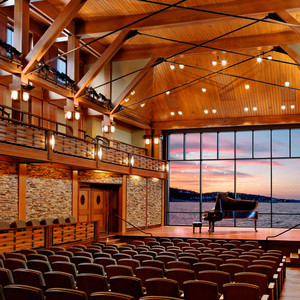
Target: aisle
(291,287)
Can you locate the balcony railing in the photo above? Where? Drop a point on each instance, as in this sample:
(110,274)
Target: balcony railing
(31,136)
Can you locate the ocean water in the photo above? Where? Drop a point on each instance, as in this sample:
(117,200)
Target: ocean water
(284,215)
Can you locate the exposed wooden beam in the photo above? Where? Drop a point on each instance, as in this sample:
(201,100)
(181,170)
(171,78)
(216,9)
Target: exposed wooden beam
(284,15)
(227,122)
(137,79)
(291,53)
(132,121)
(9,67)
(108,54)
(236,43)
(174,17)
(89,104)
(49,37)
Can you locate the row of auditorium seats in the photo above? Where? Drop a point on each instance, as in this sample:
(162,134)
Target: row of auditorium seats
(147,262)
(35,222)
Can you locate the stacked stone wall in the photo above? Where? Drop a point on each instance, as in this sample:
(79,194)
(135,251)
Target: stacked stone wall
(154,200)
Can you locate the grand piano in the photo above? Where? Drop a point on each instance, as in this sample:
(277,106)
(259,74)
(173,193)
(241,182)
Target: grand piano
(228,208)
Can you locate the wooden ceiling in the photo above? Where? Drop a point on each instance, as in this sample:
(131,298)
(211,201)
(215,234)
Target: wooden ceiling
(221,27)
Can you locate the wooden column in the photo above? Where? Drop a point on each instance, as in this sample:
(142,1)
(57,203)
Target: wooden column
(21,26)
(3,27)
(22,192)
(124,202)
(75,194)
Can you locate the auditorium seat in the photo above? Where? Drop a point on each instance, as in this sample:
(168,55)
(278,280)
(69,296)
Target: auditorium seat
(130,262)
(90,283)
(118,270)
(18,224)
(54,258)
(238,290)
(119,256)
(14,263)
(15,255)
(127,285)
(154,263)
(200,289)
(180,275)
(91,268)
(4,225)
(47,221)
(59,220)
(23,292)
(231,268)
(162,287)
(29,277)
(83,253)
(37,257)
(65,253)
(203,266)
(6,277)
(81,259)
(146,272)
(64,266)
(175,264)
(46,252)
(40,265)
(149,252)
(28,251)
(33,222)
(110,296)
(56,279)
(65,294)
(214,260)
(56,249)
(105,261)
(70,219)
(218,277)
(238,261)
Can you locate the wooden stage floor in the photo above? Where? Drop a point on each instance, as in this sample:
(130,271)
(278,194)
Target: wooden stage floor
(241,233)
(288,242)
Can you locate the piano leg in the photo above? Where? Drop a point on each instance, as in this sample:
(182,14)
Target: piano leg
(255,221)
(211,226)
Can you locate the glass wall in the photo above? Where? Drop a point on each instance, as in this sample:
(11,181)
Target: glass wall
(261,165)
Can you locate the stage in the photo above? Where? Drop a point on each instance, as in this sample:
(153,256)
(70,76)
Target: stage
(288,241)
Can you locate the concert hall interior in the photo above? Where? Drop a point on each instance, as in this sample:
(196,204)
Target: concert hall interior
(126,123)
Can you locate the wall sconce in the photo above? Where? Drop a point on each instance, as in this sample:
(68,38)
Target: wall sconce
(147,141)
(132,161)
(14,95)
(108,128)
(156,140)
(77,115)
(68,115)
(52,142)
(100,153)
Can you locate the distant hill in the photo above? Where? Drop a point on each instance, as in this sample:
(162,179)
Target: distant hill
(180,195)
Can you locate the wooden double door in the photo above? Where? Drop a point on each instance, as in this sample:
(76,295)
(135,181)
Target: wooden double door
(96,203)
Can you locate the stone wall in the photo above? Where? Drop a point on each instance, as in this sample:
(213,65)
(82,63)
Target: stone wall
(136,201)
(99,177)
(154,202)
(48,192)
(8,191)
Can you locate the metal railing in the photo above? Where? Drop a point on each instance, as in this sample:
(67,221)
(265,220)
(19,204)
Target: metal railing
(109,223)
(274,236)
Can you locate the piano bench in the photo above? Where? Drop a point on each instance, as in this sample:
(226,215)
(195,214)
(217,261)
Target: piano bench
(197,224)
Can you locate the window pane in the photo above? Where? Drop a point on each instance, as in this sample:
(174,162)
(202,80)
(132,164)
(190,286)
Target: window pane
(295,142)
(226,145)
(175,146)
(10,37)
(244,144)
(209,145)
(192,146)
(280,143)
(262,143)
(61,66)
(253,183)
(185,175)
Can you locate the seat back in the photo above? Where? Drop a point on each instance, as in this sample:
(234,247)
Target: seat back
(80,259)
(6,277)
(218,277)
(194,288)
(117,270)
(162,287)
(127,285)
(29,277)
(91,268)
(14,263)
(110,296)
(54,258)
(24,292)
(175,264)
(203,266)
(154,263)
(105,261)
(65,294)
(231,269)
(91,283)
(56,279)
(64,266)
(130,262)
(40,265)
(146,272)
(16,255)
(238,290)
(180,275)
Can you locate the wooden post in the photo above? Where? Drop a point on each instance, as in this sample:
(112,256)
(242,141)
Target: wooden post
(124,202)
(75,194)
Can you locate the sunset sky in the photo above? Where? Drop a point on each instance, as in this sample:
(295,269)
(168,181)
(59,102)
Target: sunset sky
(253,175)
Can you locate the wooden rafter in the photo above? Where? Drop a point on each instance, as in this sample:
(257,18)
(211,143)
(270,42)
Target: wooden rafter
(179,16)
(236,43)
(49,37)
(133,84)
(108,54)
(284,15)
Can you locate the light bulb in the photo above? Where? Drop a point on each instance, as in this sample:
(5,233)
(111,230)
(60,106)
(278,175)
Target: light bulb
(246,109)
(255,108)
(247,86)
(206,111)
(203,90)
(172,113)
(259,59)
(168,92)
(180,112)
(172,67)
(214,111)
(214,62)
(143,104)
(287,83)
(292,106)
(283,107)
(181,66)
(269,57)
(132,93)
(224,62)
(126,99)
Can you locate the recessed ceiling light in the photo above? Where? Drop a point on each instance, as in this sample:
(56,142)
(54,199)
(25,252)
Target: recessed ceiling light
(172,67)
(203,90)
(143,104)
(287,83)
(181,66)
(214,62)
(168,92)
(259,59)
(283,107)
(132,93)
(269,57)
(126,99)
(180,112)
(247,86)
(292,106)
(224,62)
(214,111)
(206,111)
(172,113)
(246,108)
(255,108)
